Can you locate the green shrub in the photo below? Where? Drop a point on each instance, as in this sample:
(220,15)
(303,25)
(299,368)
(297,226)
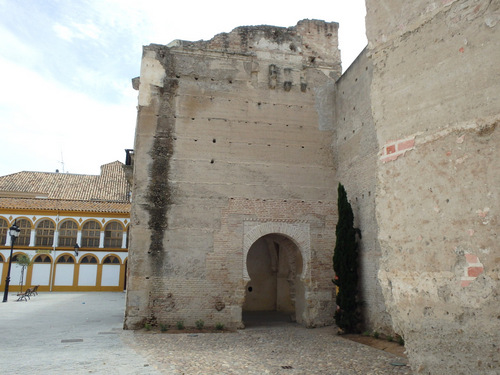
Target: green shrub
(390,338)
(147,326)
(163,327)
(219,326)
(180,325)
(366,333)
(200,324)
(401,341)
(376,334)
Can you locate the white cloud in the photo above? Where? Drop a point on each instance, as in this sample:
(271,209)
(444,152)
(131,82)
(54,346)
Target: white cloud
(88,30)
(56,95)
(63,32)
(161,22)
(14,49)
(45,119)
(77,31)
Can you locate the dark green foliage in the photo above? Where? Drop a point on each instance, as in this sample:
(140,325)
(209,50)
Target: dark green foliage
(401,341)
(200,324)
(345,265)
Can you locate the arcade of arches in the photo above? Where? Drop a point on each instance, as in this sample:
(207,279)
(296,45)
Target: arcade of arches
(98,265)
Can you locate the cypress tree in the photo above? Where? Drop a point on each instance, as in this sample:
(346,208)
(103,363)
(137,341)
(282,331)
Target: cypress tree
(345,265)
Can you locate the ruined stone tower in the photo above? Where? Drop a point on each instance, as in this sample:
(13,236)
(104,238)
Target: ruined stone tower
(242,140)
(234,189)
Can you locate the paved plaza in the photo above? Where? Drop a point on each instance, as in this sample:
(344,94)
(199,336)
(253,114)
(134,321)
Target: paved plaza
(81,333)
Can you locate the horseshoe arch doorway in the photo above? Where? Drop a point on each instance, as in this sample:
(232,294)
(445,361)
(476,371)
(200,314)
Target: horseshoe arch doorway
(275,292)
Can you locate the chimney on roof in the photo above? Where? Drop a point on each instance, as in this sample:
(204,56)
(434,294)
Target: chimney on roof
(129,157)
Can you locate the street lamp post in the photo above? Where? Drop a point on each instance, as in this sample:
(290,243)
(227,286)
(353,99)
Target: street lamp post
(14,233)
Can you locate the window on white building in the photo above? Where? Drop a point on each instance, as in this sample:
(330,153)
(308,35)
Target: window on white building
(91,232)
(68,231)
(45,233)
(113,234)
(25,234)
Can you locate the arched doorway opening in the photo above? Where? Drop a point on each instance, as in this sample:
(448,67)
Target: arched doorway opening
(275,291)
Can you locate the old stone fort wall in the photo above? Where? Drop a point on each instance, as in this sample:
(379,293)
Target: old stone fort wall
(242,140)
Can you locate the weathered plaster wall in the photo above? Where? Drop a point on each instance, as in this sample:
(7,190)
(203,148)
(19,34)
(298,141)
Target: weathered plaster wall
(231,131)
(436,108)
(355,152)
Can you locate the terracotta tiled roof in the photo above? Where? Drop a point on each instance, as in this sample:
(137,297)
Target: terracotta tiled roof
(63,205)
(110,185)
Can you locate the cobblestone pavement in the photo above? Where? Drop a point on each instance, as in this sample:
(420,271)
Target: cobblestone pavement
(67,333)
(277,349)
(80,333)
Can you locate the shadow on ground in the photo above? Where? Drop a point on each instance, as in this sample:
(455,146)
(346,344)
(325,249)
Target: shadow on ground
(254,319)
(388,346)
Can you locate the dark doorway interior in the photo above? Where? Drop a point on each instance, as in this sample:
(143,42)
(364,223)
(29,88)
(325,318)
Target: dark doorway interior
(274,265)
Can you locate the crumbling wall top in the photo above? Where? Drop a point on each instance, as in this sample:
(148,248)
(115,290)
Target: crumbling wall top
(316,40)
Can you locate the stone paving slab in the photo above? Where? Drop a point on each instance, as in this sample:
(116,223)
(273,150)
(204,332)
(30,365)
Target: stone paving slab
(285,348)
(67,333)
(81,333)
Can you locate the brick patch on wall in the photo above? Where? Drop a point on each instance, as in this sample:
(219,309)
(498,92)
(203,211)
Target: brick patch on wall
(394,149)
(473,269)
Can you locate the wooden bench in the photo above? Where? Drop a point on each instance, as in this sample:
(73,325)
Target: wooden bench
(34,290)
(25,295)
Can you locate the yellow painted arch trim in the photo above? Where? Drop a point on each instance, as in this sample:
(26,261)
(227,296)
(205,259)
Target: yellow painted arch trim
(38,221)
(46,254)
(63,254)
(114,221)
(74,287)
(112,255)
(68,219)
(14,287)
(19,252)
(21,218)
(90,220)
(90,256)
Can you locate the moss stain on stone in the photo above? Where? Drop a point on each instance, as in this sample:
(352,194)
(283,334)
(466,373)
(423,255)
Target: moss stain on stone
(160,196)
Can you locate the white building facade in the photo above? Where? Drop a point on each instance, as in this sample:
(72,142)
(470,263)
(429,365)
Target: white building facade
(55,212)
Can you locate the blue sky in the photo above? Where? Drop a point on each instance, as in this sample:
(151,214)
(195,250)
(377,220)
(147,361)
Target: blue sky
(66,100)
